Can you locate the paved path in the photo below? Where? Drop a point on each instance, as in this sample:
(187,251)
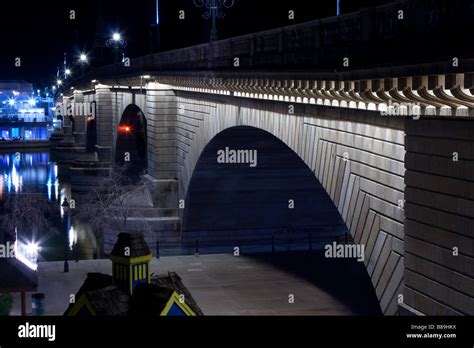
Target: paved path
(244,285)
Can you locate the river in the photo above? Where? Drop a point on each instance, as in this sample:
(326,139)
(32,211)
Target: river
(26,171)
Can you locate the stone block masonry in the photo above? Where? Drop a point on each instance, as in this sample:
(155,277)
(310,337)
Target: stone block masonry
(439,228)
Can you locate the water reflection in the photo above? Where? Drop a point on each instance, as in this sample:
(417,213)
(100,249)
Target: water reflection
(72,237)
(26,172)
(23,169)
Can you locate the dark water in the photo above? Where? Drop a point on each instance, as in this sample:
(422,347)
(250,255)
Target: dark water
(27,171)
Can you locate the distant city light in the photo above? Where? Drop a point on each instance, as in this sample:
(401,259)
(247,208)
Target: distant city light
(116,37)
(11,102)
(83,57)
(53,88)
(38,91)
(146,76)
(68,72)
(16,93)
(59,82)
(32,102)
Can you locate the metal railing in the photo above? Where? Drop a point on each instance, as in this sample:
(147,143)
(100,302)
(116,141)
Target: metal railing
(226,242)
(253,241)
(271,244)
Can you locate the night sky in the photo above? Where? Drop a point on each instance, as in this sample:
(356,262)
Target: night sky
(39,32)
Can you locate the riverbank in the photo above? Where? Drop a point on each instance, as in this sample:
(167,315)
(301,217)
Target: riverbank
(24,145)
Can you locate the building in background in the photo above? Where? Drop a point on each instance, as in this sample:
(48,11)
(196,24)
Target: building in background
(25,114)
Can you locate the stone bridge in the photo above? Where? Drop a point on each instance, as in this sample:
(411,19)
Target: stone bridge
(392,145)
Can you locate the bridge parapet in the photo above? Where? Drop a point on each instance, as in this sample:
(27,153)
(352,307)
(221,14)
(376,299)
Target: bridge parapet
(370,37)
(428,95)
(403,33)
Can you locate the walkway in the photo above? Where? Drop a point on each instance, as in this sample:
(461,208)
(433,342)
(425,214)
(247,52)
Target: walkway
(244,285)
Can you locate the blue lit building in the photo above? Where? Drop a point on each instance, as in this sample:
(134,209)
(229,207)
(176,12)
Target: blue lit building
(25,114)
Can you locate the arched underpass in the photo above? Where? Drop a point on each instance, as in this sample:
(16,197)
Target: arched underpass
(131,144)
(277,195)
(273,201)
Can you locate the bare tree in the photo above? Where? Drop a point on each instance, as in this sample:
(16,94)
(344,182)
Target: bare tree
(26,210)
(119,203)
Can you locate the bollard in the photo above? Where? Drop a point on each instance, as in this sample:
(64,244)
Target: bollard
(37,304)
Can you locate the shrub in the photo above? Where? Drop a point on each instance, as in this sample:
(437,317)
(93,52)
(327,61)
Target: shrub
(6,304)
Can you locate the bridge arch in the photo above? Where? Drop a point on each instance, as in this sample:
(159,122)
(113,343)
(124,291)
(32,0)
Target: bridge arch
(271,192)
(131,141)
(357,156)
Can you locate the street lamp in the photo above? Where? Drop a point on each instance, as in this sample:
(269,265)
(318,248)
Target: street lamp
(214,11)
(67,210)
(67,72)
(116,42)
(83,61)
(59,82)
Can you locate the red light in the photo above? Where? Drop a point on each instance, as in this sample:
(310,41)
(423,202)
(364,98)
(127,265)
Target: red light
(125,129)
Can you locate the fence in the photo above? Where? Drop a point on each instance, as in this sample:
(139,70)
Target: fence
(252,241)
(230,242)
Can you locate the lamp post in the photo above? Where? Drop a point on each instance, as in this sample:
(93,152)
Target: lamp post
(214,10)
(116,42)
(338,7)
(67,211)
